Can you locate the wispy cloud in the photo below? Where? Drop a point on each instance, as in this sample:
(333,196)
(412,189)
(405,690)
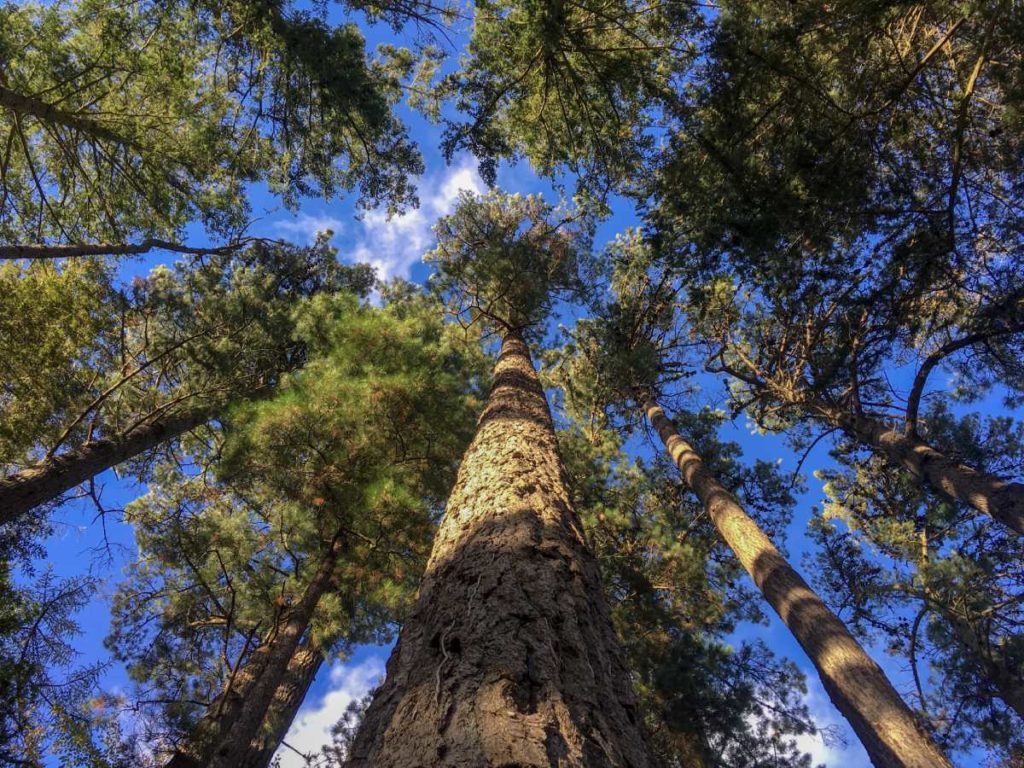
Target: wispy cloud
(830,752)
(304,227)
(394,246)
(312,727)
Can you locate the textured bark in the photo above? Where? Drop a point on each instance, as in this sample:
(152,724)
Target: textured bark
(854,682)
(47,480)
(287,699)
(229,734)
(508,658)
(1000,500)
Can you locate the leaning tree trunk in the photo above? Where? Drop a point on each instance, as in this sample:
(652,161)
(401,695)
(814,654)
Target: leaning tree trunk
(999,499)
(229,734)
(287,699)
(49,479)
(508,657)
(242,740)
(854,682)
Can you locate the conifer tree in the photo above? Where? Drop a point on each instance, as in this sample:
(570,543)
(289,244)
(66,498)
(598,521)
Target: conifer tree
(136,369)
(636,344)
(509,655)
(313,544)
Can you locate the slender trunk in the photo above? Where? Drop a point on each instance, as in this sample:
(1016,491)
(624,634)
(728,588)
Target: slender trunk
(1006,680)
(287,699)
(38,251)
(508,657)
(1000,500)
(243,739)
(229,733)
(855,683)
(47,480)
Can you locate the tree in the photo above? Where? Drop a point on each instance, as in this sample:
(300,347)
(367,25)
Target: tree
(639,322)
(137,369)
(122,122)
(942,590)
(677,596)
(312,545)
(509,654)
(860,221)
(569,85)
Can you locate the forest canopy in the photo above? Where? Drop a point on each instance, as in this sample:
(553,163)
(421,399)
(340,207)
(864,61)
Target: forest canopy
(640,380)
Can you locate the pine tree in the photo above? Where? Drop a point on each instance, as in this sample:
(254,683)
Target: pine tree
(508,655)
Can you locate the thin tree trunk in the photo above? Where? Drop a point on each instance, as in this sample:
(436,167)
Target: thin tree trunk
(508,657)
(242,740)
(1000,500)
(287,699)
(229,728)
(49,479)
(854,682)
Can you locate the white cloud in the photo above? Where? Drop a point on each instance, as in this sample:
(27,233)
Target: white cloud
(394,246)
(829,752)
(306,226)
(311,729)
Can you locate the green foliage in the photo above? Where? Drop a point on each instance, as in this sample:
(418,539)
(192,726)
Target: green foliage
(196,336)
(666,571)
(569,85)
(938,583)
(503,260)
(136,119)
(361,443)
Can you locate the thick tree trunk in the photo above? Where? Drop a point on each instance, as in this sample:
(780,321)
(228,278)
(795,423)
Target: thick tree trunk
(49,479)
(230,733)
(508,657)
(287,699)
(855,683)
(1000,500)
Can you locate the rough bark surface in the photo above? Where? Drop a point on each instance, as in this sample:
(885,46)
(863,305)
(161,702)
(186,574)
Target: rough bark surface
(48,480)
(1000,500)
(855,683)
(508,659)
(287,699)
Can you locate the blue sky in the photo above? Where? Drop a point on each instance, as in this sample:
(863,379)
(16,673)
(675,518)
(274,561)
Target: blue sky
(394,246)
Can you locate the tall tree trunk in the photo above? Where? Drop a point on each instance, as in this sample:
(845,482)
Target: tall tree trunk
(229,733)
(287,699)
(49,479)
(855,683)
(1000,500)
(508,657)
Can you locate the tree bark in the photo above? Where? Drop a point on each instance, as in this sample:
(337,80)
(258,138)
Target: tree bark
(47,480)
(508,657)
(1000,500)
(302,669)
(854,682)
(229,733)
